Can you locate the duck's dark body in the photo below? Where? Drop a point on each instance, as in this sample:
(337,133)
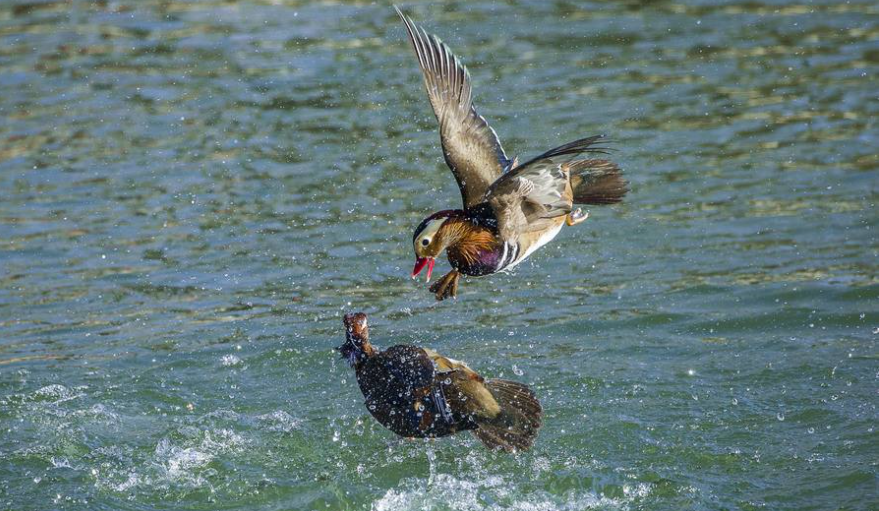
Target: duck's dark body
(404,395)
(417,393)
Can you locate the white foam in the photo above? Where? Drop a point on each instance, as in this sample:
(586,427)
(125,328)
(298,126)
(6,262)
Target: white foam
(180,462)
(54,391)
(99,412)
(491,493)
(280,421)
(177,464)
(230,360)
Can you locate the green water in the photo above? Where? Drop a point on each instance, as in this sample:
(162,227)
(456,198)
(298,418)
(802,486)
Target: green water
(193,193)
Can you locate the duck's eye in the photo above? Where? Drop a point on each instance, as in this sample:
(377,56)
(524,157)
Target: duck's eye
(425,242)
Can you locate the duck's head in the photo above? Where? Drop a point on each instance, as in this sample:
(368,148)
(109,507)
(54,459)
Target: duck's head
(356,347)
(429,240)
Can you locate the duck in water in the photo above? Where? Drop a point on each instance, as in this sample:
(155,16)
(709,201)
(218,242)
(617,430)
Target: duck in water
(418,393)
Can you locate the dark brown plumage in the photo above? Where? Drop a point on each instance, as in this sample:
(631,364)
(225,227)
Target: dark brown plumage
(521,207)
(470,147)
(416,392)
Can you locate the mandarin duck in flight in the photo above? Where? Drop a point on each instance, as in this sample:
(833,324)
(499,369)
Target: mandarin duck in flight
(418,393)
(510,210)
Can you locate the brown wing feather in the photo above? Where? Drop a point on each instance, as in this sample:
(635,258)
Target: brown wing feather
(464,389)
(516,427)
(530,205)
(471,148)
(532,196)
(443,364)
(466,394)
(597,182)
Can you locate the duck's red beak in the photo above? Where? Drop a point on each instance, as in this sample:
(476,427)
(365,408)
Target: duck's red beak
(420,263)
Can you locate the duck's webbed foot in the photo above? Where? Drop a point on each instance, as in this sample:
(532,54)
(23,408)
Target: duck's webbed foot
(447,286)
(576,216)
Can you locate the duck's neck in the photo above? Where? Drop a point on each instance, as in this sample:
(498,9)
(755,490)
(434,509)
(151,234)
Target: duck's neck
(356,353)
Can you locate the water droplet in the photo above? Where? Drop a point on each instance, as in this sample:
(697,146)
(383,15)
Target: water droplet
(811,431)
(517,371)
(780,416)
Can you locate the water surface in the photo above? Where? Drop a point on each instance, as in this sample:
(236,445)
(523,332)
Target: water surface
(193,193)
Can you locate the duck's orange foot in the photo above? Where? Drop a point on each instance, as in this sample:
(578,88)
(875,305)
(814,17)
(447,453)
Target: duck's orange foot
(576,216)
(447,286)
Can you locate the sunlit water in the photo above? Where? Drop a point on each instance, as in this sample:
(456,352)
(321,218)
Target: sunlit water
(191,195)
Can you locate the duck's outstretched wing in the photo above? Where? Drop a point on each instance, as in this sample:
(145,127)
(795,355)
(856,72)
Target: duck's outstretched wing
(528,198)
(471,148)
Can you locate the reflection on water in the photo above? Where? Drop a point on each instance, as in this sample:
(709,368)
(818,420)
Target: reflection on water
(192,193)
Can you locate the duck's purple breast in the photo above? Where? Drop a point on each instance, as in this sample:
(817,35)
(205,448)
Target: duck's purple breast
(486,262)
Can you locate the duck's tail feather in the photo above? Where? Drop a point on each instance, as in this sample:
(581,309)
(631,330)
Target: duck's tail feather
(516,427)
(597,182)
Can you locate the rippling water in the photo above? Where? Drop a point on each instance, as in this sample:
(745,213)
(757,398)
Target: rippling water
(192,193)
